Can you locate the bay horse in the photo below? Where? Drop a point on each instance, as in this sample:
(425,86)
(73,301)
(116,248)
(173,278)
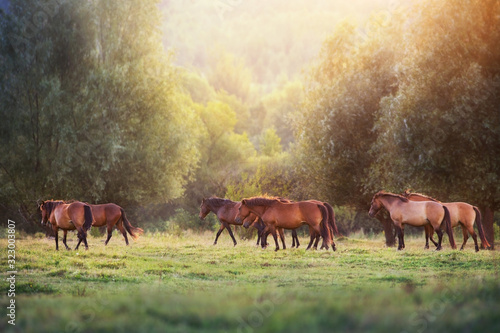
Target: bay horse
(67,216)
(313,235)
(416,213)
(276,214)
(111,215)
(462,214)
(225,210)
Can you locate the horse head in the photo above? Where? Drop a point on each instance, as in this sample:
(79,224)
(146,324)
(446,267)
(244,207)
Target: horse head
(204,209)
(45,212)
(243,212)
(376,205)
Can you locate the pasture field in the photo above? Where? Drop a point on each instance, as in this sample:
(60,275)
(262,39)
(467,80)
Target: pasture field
(166,283)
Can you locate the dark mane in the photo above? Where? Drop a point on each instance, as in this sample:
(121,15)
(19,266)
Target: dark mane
(388,194)
(262,201)
(50,205)
(407,193)
(216,203)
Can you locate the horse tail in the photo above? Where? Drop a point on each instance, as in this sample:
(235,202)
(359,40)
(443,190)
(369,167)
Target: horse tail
(484,242)
(331,219)
(324,228)
(133,231)
(449,229)
(89,218)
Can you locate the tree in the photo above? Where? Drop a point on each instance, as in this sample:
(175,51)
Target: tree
(441,131)
(334,127)
(93,108)
(270,143)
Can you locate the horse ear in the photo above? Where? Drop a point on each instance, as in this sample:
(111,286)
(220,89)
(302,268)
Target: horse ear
(244,202)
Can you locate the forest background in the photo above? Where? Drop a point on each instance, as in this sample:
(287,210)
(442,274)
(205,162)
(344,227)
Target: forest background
(154,105)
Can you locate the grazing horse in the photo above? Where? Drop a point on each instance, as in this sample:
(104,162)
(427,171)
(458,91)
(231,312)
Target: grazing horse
(112,215)
(460,213)
(225,210)
(67,216)
(276,214)
(404,211)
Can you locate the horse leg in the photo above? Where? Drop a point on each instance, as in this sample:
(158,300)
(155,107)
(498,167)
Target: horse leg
(311,235)
(282,236)
(439,232)
(294,237)
(317,241)
(427,233)
(273,231)
(231,234)
(399,231)
(56,233)
(219,232)
(465,233)
(79,241)
(85,241)
(432,238)
(470,228)
(64,239)
(120,227)
(110,233)
(258,236)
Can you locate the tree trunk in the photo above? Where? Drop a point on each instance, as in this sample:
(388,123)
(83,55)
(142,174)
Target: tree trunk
(384,218)
(488,220)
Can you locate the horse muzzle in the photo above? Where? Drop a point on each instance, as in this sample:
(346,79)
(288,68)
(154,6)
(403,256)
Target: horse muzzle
(246,224)
(237,220)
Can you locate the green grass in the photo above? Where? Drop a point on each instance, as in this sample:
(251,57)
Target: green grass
(164,283)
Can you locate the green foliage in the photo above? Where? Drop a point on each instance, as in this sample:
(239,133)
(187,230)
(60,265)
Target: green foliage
(384,110)
(443,121)
(270,143)
(92,109)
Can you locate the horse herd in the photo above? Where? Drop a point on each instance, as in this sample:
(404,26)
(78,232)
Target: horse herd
(271,215)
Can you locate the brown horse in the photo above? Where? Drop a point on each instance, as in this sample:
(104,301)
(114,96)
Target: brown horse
(225,210)
(462,214)
(276,214)
(404,211)
(313,235)
(67,216)
(111,215)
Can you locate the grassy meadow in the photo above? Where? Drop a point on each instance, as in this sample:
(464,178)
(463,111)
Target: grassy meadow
(167,283)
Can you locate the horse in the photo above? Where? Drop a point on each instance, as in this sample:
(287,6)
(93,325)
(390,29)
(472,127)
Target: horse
(403,211)
(67,216)
(295,240)
(225,210)
(111,215)
(276,214)
(462,214)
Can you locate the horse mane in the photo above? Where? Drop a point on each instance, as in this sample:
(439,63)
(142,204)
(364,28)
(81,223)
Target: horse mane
(407,193)
(50,205)
(215,202)
(389,194)
(262,201)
